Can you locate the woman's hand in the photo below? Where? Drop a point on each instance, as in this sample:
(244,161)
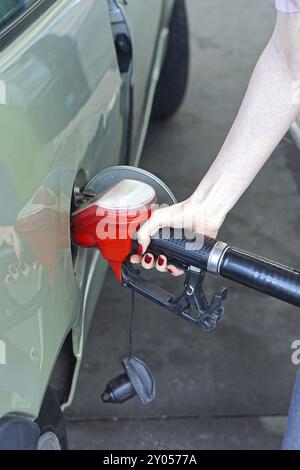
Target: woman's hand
(190,215)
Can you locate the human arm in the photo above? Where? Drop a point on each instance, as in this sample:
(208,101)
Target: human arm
(266,113)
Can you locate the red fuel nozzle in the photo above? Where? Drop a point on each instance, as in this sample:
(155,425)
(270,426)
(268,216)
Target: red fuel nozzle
(110,220)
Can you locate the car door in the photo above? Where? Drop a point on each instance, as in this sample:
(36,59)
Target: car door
(61,121)
(145,23)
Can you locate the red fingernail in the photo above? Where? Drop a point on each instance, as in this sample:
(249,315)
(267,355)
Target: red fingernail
(139,249)
(160,261)
(169,270)
(148,259)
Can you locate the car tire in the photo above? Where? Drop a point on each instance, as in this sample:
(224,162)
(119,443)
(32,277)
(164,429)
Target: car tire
(53,435)
(173,78)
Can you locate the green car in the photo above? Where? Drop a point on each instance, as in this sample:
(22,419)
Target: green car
(79,82)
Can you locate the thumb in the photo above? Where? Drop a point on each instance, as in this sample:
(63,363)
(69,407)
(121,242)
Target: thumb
(159,219)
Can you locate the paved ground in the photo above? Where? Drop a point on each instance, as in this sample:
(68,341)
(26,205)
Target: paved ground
(228,389)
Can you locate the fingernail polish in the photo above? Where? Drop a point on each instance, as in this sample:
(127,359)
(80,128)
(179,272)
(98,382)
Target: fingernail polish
(160,261)
(169,270)
(139,249)
(148,259)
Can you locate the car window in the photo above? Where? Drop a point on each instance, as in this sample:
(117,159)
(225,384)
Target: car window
(17,15)
(10,9)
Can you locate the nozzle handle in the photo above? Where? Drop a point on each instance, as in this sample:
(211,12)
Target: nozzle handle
(183,249)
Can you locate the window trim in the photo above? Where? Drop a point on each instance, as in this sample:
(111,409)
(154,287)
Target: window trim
(18,25)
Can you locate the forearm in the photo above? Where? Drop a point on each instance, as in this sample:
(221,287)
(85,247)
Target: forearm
(265,116)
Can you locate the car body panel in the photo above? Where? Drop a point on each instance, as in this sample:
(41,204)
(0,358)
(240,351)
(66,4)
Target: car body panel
(53,123)
(60,111)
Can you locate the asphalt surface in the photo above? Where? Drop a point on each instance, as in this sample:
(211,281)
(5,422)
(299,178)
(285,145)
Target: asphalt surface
(229,389)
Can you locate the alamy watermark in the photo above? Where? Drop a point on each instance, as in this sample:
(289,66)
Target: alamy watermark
(2,92)
(2,353)
(125,223)
(296,354)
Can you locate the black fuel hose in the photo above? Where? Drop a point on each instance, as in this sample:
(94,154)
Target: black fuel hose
(210,255)
(261,274)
